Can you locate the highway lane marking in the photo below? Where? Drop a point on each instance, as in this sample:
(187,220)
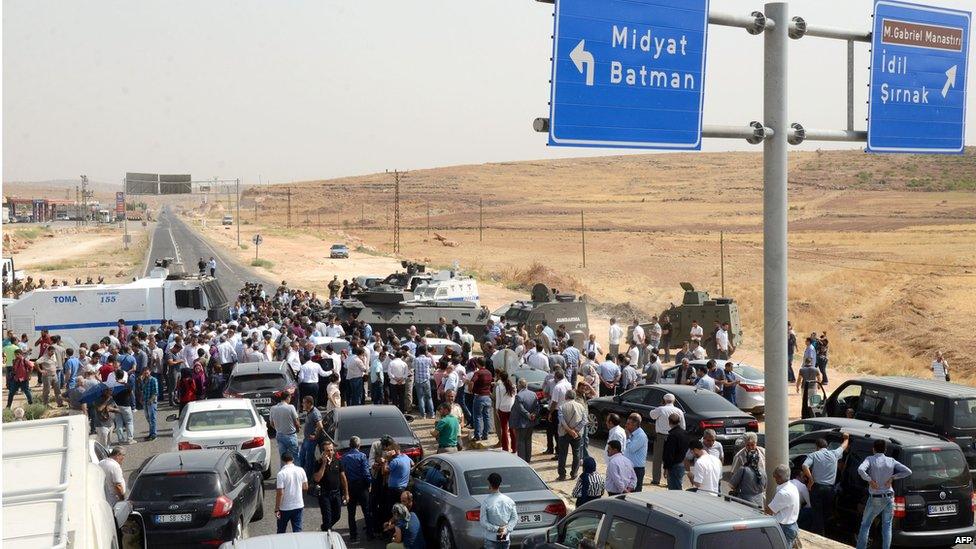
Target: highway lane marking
(203,241)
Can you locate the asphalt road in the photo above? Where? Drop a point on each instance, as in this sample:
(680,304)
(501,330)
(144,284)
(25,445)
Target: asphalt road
(173,238)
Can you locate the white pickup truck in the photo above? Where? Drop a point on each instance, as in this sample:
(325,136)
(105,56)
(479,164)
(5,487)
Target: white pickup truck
(54,492)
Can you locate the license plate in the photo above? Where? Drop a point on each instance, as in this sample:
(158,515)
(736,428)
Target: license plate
(530,518)
(228,447)
(735,430)
(942,509)
(167,519)
(261,400)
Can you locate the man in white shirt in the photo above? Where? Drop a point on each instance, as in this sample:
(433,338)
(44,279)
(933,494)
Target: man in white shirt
(537,359)
(706,473)
(615,431)
(308,380)
(637,336)
(940,368)
(560,388)
(705,382)
(335,329)
(696,332)
(785,505)
(398,371)
(662,426)
(114,480)
(722,343)
(290,483)
(226,355)
(615,333)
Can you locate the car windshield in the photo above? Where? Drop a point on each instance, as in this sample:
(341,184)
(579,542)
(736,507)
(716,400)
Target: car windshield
(514,479)
(702,400)
(530,376)
(338,247)
(748,372)
(175,487)
(754,538)
(248,383)
(937,468)
(369,428)
(964,413)
(219,420)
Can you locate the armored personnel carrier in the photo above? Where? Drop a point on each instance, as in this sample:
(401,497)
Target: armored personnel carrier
(549,305)
(385,306)
(697,305)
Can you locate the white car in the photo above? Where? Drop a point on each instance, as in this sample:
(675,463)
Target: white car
(750,394)
(226,423)
(437,346)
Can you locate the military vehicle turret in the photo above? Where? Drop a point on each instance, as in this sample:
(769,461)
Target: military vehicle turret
(553,307)
(385,306)
(697,305)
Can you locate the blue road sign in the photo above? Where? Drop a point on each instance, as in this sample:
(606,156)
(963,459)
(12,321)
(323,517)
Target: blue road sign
(918,79)
(628,73)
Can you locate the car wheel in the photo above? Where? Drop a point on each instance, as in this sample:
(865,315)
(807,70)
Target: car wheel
(445,536)
(593,424)
(259,512)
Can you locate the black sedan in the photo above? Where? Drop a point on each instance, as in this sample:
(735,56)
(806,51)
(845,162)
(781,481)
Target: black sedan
(204,497)
(371,422)
(262,382)
(703,410)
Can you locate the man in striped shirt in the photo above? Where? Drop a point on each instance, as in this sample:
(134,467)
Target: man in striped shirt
(422,366)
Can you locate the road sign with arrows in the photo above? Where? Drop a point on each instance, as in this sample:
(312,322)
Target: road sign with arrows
(628,73)
(918,79)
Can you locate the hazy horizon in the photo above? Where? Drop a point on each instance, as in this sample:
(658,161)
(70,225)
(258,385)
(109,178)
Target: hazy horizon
(316,90)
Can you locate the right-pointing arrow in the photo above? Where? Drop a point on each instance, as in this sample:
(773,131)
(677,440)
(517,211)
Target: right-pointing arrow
(950,80)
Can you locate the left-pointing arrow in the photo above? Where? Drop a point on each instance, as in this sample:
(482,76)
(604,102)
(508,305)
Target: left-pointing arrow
(581,57)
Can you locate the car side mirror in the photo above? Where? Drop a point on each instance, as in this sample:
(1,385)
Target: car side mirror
(257,466)
(130,526)
(172,417)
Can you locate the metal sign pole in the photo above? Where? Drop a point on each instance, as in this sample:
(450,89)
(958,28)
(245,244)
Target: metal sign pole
(776,117)
(238,220)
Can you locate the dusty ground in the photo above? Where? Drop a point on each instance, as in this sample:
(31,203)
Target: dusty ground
(882,248)
(65,251)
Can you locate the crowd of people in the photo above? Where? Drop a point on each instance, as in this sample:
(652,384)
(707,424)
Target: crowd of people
(134,368)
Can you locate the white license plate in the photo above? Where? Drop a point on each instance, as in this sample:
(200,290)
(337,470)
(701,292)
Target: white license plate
(942,509)
(228,447)
(167,519)
(261,400)
(530,518)
(735,430)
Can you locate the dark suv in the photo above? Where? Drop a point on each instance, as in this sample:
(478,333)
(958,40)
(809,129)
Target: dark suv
(202,497)
(937,407)
(933,505)
(262,382)
(672,519)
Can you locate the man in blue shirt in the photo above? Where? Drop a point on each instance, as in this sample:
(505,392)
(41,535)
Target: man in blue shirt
(126,361)
(636,450)
(356,467)
(150,397)
(879,471)
(498,515)
(398,474)
(820,469)
(71,368)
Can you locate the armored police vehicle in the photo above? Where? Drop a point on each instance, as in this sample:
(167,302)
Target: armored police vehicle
(86,312)
(552,306)
(385,306)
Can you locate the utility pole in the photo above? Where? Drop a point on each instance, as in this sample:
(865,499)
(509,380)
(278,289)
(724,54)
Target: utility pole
(238,220)
(428,218)
(255,210)
(289,207)
(318,223)
(362,216)
(583,237)
(77,205)
(481,219)
(721,251)
(84,199)
(396,211)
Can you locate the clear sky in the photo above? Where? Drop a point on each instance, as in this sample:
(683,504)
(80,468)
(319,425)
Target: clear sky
(305,89)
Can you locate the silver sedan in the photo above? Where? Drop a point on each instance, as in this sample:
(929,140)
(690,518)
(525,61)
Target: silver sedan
(750,394)
(448,490)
